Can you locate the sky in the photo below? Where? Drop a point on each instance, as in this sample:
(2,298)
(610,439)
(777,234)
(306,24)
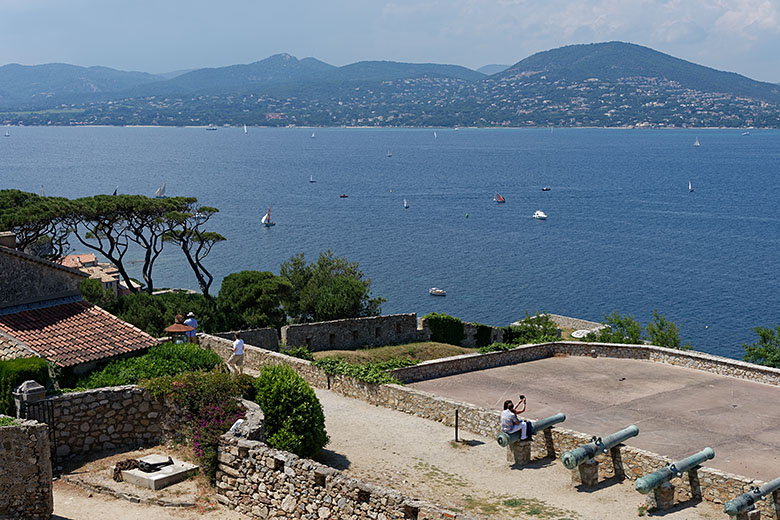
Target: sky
(159,36)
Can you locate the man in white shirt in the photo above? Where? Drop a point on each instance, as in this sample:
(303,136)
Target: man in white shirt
(236,360)
(192,335)
(510,422)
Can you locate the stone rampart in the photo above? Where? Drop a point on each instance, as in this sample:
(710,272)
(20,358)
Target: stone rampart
(25,471)
(566,322)
(267,338)
(261,482)
(354,333)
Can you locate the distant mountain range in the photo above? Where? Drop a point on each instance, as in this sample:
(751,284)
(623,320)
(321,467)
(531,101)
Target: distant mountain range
(604,84)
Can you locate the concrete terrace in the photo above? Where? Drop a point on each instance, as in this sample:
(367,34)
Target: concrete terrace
(678,410)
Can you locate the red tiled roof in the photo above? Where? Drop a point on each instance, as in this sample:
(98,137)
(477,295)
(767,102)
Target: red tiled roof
(74,333)
(178,327)
(11,348)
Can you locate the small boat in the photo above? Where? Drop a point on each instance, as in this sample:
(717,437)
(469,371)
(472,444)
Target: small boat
(7,133)
(389,153)
(160,193)
(499,199)
(406,204)
(116,190)
(435,291)
(266,220)
(311,179)
(41,193)
(745,133)
(343,196)
(244,128)
(696,142)
(211,127)
(312,135)
(435,135)
(546,188)
(690,186)
(540,215)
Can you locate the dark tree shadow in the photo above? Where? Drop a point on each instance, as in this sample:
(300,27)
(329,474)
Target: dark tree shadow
(332,459)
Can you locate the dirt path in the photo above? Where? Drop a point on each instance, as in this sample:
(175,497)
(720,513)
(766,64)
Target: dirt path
(418,457)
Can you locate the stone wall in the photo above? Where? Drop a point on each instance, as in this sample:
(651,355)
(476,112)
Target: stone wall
(28,280)
(25,471)
(267,338)
(470,335)
(108,419)
(565,322)
(353,333)
(261,482)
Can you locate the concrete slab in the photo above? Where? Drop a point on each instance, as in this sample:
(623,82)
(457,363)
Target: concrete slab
(678,410)
(164,477)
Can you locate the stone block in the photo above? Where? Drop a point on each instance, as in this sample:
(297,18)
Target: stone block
(662,497)
(519,453)
(164,477)
(586,474)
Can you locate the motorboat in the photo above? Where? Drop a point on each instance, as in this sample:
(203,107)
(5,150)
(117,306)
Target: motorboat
(546,188)
(540,215)
(343,196)
(211,127)
(435,291)
(406,204)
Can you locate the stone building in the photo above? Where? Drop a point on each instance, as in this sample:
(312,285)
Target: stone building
(42,314)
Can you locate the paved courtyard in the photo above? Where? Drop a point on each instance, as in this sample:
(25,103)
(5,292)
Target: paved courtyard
(678,410)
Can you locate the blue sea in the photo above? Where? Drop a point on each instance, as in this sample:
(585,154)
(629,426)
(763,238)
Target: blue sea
(623,231)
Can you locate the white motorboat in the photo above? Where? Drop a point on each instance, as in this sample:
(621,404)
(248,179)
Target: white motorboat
(540,215)
(435,291)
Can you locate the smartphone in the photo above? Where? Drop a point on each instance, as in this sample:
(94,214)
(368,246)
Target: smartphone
(522,397)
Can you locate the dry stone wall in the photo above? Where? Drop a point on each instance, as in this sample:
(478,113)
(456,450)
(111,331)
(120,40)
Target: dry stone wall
(261,482)
(25,472)
(353,333)
(267,338)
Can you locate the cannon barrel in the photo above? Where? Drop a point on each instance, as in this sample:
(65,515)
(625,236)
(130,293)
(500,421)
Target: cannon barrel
(649,482)
(505,439)
(573,458)
(744,501)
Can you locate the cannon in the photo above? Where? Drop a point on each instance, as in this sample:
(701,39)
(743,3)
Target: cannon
(743,502)
(649,482)
(573,458)
(505,439)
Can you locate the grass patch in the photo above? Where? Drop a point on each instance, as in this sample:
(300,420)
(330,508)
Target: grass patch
(537,508)
(422,351)
(7,421)
(440,476)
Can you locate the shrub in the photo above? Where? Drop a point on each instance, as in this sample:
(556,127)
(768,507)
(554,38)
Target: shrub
(209,425)
(294,420)
(484,333)
(299,352)
(619,329)
(15,372)
(445,328)
(496,347)
(766,350)
(531,329)
(153,313)
(7,421)
(167,359)
(664,333)
(371,373)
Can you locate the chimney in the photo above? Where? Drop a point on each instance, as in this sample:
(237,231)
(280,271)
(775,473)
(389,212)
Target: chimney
(8,239)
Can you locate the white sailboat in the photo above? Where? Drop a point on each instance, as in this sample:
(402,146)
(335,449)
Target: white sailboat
(7,133)
(244,128)
(690,186)
(389,153)
(311,178)
(696,142)
(435,135)
(406,204)
(266,220)
(160,193)
(312,135)
(42,194)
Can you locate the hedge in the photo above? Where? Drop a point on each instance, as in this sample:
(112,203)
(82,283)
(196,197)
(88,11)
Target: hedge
(15,372)
(445,328)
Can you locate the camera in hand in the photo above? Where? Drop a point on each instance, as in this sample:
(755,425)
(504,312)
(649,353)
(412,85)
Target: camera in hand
(522,397)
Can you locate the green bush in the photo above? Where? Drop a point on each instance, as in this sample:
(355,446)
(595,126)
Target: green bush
(484,333)
(531,329)
(445,328)
(299,352)
(15,372)
(372,373)
(766,350)
(167,359)
(7,421)
(294,420)
(496,347)
(153,313)
(619,329)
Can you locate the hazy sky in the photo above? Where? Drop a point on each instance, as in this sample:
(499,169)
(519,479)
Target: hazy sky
(159,36)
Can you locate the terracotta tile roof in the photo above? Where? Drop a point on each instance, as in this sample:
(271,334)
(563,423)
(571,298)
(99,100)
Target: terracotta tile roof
(74,333)
(78,261)
(11,348)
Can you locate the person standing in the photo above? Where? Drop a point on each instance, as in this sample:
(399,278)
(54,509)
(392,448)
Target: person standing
(236,360)
(192,335)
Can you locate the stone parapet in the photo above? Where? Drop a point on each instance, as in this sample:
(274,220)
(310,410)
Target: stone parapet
(261,482)
(267,338)
(25,472)
(354,333)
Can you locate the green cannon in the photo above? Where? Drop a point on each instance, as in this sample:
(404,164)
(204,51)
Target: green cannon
(649,482)
(573,458)
(737,505)
(505,439)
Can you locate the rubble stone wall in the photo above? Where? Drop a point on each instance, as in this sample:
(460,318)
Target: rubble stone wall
(25,472)
(354,333)
(22,282)
(267,338)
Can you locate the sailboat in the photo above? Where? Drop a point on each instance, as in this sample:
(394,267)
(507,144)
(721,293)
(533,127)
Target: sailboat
(7,133)
(244,128)
(311,178)
(406,204)
(499,199)
(42,194)
(312,135)
(690,186)
(116,190)
(160,193)
(696,142)
(389,153)
(266,220)
(435,135)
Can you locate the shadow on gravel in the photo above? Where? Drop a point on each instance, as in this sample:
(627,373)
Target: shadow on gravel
(333,459)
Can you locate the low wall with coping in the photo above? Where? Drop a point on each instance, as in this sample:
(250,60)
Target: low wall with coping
(261,482)
(716,486)
(25,471)
(267,338)
(354,333)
